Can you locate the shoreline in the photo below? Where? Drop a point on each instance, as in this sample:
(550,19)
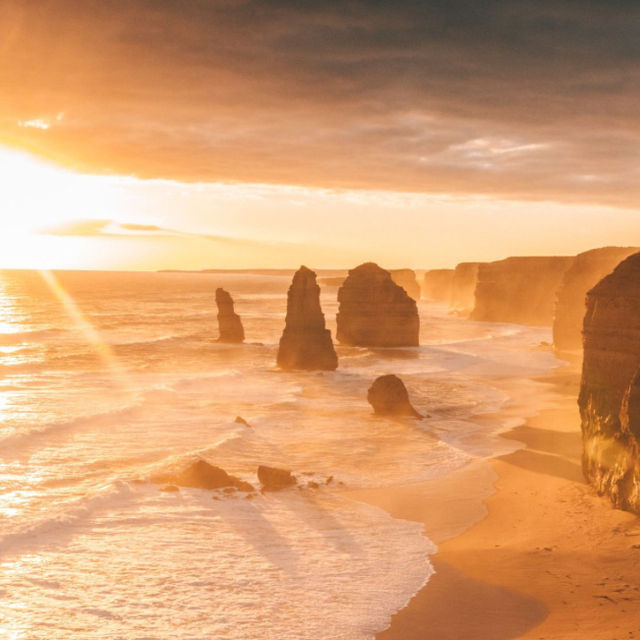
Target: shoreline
(526,548)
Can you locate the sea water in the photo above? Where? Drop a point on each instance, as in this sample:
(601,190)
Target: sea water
(108,378)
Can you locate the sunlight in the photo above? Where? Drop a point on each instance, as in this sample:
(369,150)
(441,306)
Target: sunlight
(92,337)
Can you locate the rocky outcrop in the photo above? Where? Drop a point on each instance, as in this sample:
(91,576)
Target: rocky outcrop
(274,479)
(376,312)
(586,270)
(406,278)
(463,287)
(305,342)
(610,389)
(437,284)
(202,475)
(389,397)
(521,290)
(229,323)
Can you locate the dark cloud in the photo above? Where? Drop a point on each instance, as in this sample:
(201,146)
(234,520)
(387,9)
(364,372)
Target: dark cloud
(524,99)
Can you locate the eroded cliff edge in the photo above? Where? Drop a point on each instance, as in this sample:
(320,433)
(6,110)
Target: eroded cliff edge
(521,290)
(586,270)
(609,398)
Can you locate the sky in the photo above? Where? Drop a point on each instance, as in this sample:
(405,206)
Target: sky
(243,133)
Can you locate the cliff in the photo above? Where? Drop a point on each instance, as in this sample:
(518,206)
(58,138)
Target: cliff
(463,287)
(585,272)
(406,278)
(437,285)
(521,290)
(229,323)
(610,390)
(305,342)
(376,312)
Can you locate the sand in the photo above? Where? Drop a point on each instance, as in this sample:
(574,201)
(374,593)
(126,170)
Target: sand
(546,558)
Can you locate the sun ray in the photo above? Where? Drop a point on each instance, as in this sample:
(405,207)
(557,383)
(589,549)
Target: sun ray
(91,335)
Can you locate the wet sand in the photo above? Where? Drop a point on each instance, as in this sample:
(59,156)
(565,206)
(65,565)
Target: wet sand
(546,557)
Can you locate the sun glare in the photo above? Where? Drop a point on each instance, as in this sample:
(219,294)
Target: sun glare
(37,195)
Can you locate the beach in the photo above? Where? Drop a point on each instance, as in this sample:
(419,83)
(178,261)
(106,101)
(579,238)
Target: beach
(545,559)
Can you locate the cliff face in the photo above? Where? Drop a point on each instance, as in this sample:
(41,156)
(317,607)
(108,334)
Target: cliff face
(610,391)
(463,287)
(305,342)
(519,290)
(585,272)
(406,278)
(374,311)
(229,323)
(437,284)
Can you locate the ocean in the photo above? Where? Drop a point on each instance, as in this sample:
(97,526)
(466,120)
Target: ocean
(110,378)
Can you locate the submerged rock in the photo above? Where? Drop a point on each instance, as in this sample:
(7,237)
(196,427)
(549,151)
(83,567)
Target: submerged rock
(229,323)
(306,342)
(610,388)
(202,475)
(274,479)
(375,311)
(388,396)
(586,270)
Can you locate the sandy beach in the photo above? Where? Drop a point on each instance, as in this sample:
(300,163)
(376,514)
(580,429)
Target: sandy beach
(546,557)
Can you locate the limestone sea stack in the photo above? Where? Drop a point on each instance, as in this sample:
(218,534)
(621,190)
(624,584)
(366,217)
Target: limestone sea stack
(609,394)
(305,342)
(229,323)
(586,270)
(389,397)
(406,278)
(521,290)
(463,287)
(437,285)
(376,312)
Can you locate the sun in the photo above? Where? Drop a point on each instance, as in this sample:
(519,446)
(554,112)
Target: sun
(37,195)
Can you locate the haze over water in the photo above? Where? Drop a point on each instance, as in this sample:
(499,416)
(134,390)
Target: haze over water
(110,377)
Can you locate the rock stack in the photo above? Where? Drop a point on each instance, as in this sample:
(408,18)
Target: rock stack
(389,397)
(305,342)
(406,278)
(586,270)
(610,390)
(229,323)
(376,312)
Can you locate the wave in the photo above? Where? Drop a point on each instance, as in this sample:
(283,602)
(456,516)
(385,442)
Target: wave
(20,439)
(33,335)
(58,526)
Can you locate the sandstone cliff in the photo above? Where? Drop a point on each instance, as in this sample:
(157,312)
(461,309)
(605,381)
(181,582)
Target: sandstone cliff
(585,272)
(374,311)
(521,290)
(406,278)
(229,323)
(463,287)
(609,394)
(305,342)
(437,285)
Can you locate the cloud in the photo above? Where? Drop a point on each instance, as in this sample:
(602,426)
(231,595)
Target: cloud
(115,229)
(363,94)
